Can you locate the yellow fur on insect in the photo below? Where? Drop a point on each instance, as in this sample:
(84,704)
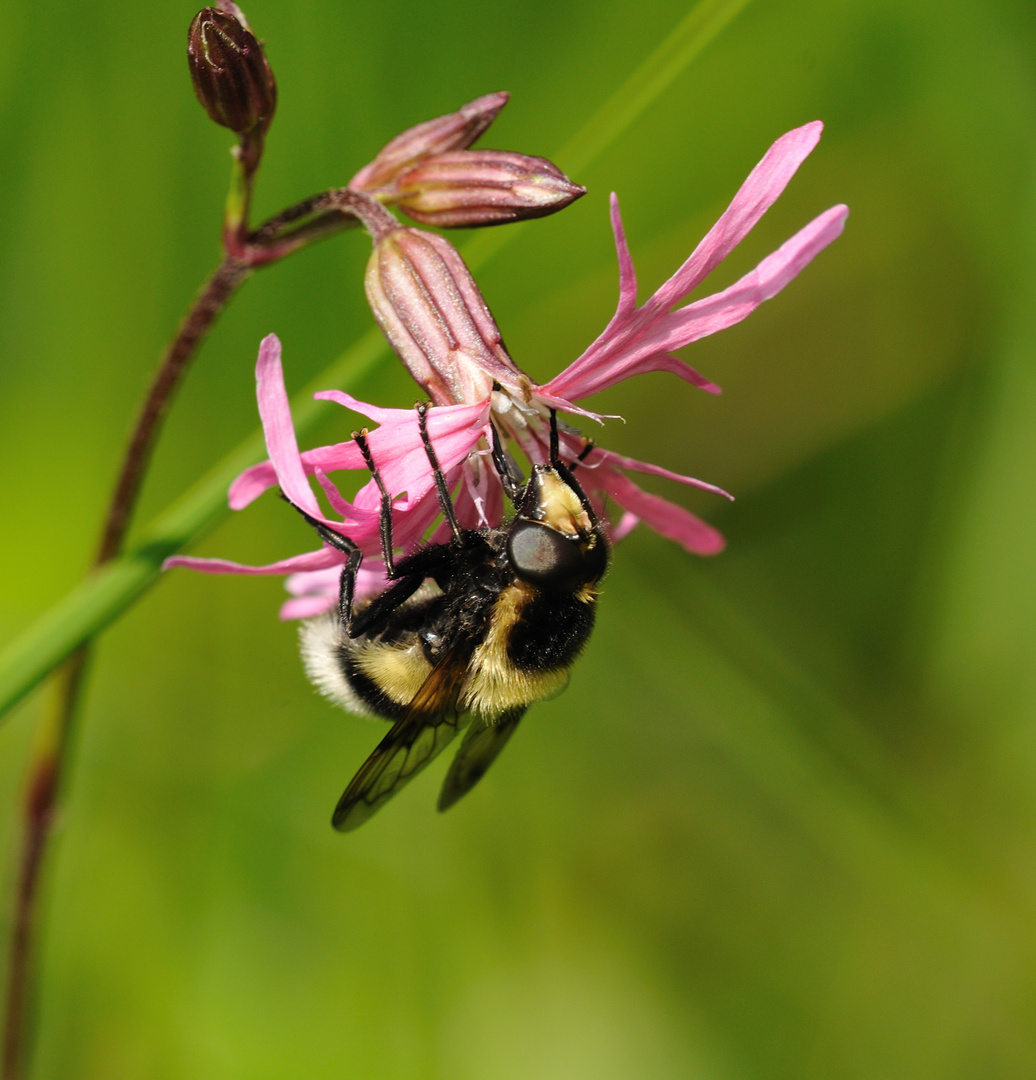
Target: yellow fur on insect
(559,505)
(495,684)
(399,671)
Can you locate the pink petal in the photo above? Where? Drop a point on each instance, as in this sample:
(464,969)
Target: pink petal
(607,458)
(570,383)
(562,404)
(756,195)
(334,496)
(664,517)
(306,607)
(325,583)
(312,560)
(399,453)
(627,274)
(715,313)
(250,485)
(624,526)
(255,480)
(636,361)
(633,340)
(647,351)
(396,445)
(665,362)
(372,412)
(479,499)
(275,414)
(310,582)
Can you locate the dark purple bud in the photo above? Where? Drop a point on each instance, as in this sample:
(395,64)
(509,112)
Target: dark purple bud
(230,74)
(455,131)
(481,187)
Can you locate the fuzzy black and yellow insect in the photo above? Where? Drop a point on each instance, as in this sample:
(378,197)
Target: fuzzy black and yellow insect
(471,631)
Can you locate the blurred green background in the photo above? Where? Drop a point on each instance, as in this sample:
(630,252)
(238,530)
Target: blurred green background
(783,822)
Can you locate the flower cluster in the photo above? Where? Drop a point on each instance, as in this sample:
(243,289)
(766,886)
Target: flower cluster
(433,314)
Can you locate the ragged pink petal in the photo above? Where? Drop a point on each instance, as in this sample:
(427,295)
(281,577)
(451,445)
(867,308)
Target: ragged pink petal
(400,455)
(334,496)
(311,560)
(372,412)
(545,395)
(256,479)
(755,196)
(311,582)
(479,501)
(632,342)
(637,361)
(395,443)
(607,457)
(317,591)
(649,349)
(574,381)
(624,526)
(664,517)
(305,607)
(725,309)
(627,274)
(275,413)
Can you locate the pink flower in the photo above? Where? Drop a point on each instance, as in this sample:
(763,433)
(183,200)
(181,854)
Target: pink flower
(433,314)
(396,447)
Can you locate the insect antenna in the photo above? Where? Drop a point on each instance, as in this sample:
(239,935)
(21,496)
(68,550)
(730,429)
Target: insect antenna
(445,501)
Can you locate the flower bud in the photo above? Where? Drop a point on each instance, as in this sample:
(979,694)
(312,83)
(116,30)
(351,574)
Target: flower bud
(455,131)
(430,309)
(481,187)
(231,77)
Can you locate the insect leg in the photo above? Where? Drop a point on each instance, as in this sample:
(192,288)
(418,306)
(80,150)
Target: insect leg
(445,502)
(385,519)
(505,467)
(347,581)
(565,472)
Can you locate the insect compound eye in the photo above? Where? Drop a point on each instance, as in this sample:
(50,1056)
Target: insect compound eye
(543,556)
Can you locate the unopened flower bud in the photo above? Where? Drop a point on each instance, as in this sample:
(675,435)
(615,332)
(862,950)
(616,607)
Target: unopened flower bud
(231,77)
(455,131)
(481,187)
(430,309)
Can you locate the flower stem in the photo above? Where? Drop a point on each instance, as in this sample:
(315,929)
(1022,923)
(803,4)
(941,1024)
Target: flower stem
(220,287)
(38,819)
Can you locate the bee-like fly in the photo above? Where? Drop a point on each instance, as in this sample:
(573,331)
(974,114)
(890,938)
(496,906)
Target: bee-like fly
(476,628)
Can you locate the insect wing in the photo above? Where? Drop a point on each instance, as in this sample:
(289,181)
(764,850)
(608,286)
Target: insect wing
(481,745)
(429,723)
